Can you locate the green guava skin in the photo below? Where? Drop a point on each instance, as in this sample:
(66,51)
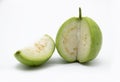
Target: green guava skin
(95,35)
(32,62)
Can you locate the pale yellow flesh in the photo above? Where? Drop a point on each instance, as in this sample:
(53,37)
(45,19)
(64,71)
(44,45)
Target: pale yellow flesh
(84,41)
(68,44)
(39,50)
(76,40)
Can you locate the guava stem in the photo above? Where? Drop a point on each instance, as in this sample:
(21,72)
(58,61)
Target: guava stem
(80,13)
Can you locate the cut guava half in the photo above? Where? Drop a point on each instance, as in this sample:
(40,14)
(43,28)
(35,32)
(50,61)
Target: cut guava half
(79,39)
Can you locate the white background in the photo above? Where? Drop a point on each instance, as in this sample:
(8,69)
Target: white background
(24,21)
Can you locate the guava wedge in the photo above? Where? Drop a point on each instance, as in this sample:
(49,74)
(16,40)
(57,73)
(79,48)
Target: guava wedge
(79,39)
(38,53)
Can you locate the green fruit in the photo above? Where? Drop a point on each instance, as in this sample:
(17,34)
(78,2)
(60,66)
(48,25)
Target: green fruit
(79,39)
(38,53)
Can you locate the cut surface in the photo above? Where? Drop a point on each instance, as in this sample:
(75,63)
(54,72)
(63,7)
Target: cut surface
(66,40)
(74,40)
(39,52)
(84,41)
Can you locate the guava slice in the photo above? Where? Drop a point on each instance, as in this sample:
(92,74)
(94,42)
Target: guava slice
(38,53)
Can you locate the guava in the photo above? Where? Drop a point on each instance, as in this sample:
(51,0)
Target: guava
(79,39)
(38,53)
